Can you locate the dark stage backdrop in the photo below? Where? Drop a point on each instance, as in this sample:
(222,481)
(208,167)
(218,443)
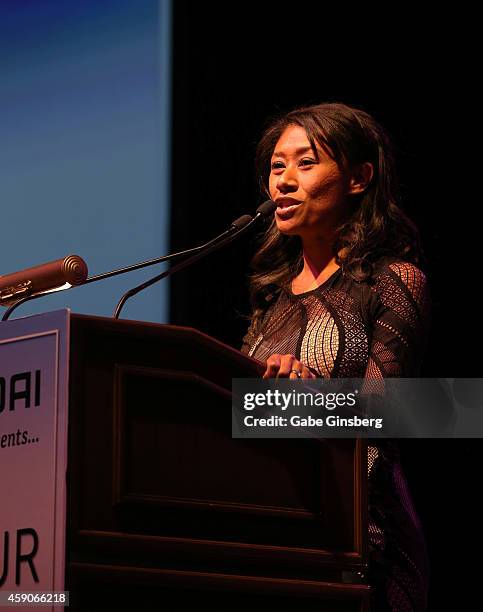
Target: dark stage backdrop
(234,67)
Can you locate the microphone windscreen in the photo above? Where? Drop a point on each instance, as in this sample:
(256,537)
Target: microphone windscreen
(74,269)
(267,208)
(241,221)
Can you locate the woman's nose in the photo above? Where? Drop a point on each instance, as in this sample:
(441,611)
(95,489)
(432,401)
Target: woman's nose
(287,181)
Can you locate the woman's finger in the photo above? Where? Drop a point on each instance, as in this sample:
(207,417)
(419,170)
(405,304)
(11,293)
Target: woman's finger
(287,364)
(273,365)
(299,370)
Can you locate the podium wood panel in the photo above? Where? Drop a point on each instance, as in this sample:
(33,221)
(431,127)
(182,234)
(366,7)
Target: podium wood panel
(160,495)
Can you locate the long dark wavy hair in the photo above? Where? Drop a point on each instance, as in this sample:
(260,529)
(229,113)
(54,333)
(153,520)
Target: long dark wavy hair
(377,227)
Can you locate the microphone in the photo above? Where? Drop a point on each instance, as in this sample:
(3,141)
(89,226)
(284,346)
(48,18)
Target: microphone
(265,209)
(18,288)
(44,278)
(23,293)
(152,262)
(242,224)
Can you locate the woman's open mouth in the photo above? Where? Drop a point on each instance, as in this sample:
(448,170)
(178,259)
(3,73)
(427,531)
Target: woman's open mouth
(286,207)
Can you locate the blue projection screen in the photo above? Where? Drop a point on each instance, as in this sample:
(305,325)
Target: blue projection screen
(84,144)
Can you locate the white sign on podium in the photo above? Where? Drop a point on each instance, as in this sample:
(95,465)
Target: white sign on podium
(34,358)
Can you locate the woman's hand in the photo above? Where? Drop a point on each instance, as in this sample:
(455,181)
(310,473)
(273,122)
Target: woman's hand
(286,366)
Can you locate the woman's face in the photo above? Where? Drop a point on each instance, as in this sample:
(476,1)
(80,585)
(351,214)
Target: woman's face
(311,190)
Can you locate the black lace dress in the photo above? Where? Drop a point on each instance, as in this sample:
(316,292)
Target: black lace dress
(370,329)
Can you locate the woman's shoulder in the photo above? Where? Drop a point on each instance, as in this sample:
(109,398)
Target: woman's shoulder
(394,278)
(407,272)
(395,265)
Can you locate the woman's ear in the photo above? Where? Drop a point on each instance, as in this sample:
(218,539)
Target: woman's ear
(361,176)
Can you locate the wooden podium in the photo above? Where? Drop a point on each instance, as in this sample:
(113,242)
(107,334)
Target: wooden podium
(164,505)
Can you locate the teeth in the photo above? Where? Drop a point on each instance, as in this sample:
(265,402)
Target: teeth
(285,212)
(290,207)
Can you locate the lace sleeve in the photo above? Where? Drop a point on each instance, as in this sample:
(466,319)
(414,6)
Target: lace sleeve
(400,322)
(248,339)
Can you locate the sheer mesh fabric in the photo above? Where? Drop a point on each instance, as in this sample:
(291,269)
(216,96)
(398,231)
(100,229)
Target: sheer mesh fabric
(371,330)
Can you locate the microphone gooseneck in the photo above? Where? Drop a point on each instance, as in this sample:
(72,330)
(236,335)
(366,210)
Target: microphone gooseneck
(71,271)
(241,225)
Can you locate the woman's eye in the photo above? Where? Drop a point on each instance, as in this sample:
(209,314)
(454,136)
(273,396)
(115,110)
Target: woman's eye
(277,165)
(307,162)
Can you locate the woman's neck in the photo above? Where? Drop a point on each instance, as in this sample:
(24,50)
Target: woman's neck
(319,264)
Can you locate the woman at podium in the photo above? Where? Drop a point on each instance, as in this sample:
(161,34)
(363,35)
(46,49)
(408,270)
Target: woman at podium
(337,292)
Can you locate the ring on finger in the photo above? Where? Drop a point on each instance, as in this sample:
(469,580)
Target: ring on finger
(297,372)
